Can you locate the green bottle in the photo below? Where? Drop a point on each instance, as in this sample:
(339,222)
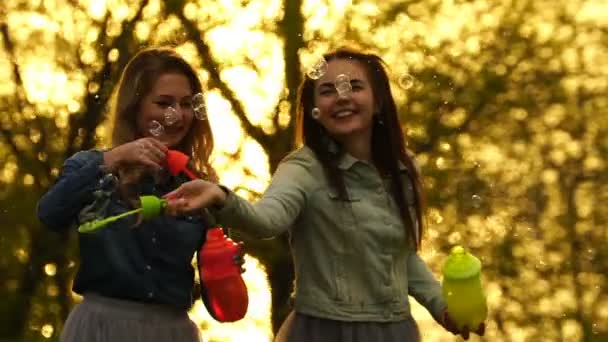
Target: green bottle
(462,289)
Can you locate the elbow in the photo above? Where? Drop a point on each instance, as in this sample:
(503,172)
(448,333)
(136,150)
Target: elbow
(47,216)
(266,234)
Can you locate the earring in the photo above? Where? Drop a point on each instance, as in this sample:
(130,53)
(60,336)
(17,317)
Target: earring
(379,119)
(316,113)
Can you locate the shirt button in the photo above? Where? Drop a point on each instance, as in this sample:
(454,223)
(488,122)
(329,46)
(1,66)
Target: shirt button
(387,220)
(148,267)
(380,190)
(189,218)
(150,294)
(153,239)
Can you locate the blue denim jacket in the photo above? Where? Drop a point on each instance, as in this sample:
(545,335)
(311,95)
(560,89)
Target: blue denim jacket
(149,262)
(351,258)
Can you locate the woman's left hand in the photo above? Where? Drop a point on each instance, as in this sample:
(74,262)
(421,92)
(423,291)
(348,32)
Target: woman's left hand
(451,326)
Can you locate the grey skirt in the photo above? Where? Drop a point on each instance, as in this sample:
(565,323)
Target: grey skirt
(103,319)
(304,328)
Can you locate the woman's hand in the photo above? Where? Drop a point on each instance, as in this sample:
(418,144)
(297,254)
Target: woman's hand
(147,152)
(194,195)
(451,326)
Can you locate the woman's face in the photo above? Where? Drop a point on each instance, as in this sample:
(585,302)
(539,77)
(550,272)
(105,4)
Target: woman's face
(169,90)
(345,114)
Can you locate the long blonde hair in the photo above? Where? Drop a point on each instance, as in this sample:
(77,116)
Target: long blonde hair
(136,81)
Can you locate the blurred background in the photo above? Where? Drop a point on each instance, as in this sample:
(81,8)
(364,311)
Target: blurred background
(504,102)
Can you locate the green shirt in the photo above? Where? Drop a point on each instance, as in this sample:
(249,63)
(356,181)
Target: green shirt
(352,262)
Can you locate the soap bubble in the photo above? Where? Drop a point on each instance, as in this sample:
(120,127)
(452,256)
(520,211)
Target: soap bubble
(406,81)
(170,116)
(476,201)
(155,128)
(318,69)
(198,105)
(343,85)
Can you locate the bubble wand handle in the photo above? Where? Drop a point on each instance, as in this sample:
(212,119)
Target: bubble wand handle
(91,226)
(190,174)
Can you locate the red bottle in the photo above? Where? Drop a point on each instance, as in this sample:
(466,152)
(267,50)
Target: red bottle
(221,277)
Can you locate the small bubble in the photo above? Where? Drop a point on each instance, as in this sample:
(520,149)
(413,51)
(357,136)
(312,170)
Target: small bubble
(47,330)
(406,81)
(343,85)
(155,128)
(198,105)
(476,201)
(318,69)
(170,116)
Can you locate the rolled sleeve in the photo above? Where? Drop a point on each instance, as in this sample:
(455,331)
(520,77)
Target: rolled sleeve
(276,211)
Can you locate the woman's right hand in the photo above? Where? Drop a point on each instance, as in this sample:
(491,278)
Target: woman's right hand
(147,152)
(451,326)
(194,195)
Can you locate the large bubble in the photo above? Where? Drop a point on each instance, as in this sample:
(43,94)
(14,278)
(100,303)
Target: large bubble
(318,69)
(198,105)
(155,128)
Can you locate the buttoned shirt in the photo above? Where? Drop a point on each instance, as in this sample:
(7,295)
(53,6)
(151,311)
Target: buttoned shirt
(149,261)
(352,259)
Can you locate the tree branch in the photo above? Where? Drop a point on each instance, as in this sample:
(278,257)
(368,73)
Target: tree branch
(106,78)
(212,68)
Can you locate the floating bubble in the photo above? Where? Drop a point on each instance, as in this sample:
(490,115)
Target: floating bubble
(198,105)
(343,85)
(406,81)
(170,116)
(476,201)
(318,69)
(155,128)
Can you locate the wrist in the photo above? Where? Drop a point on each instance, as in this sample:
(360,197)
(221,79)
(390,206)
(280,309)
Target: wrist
(110,159)
(220,198)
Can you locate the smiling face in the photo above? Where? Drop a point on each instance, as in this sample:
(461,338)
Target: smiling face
(345,116)
(169,90)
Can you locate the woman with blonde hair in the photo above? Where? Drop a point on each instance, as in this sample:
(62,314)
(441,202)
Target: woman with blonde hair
(136,276)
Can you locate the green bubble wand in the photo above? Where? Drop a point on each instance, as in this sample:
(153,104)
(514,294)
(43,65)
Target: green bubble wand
(151,206)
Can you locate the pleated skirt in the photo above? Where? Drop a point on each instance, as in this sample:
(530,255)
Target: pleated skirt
(304,328)
(103,319)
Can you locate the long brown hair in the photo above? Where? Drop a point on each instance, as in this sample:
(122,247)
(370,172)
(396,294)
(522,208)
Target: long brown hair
(388,140)
(136,81)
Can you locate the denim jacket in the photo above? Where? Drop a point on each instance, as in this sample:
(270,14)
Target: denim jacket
(352,262)
(149,262)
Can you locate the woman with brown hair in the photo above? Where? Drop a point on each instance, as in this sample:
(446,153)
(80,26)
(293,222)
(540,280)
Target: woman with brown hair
(136,276)
(351,198)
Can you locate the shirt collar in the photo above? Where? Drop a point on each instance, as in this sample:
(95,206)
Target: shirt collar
(347,161)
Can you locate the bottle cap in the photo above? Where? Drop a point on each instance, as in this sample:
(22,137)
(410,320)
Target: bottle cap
(461,265)
(151,206)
